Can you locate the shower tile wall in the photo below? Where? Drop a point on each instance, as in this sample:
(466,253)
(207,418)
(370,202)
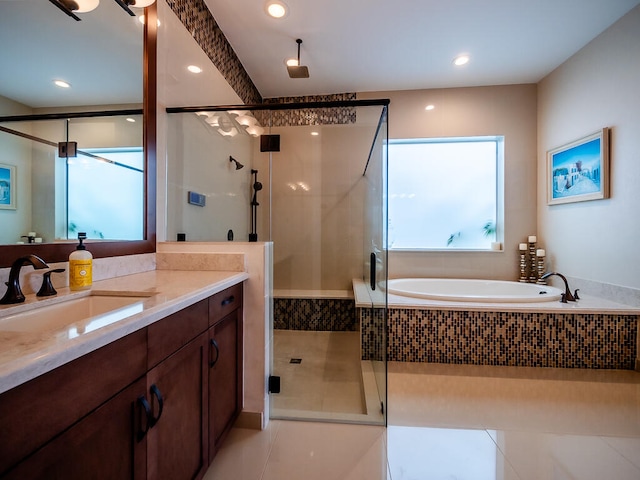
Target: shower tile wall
(198,20)
(310,116)
(319,314)
(509,338)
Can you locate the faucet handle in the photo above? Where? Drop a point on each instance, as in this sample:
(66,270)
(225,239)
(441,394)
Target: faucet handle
(47,290)
(575,294)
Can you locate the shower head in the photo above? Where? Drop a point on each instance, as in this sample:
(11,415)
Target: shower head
(298,71)
(238,164)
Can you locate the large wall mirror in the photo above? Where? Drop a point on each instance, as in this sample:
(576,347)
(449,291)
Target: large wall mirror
(109,60)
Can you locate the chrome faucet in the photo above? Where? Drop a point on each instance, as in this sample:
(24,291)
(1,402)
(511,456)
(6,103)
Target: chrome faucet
(567,295)
(14,293)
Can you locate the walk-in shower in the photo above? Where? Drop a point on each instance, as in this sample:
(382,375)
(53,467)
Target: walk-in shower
(322,204)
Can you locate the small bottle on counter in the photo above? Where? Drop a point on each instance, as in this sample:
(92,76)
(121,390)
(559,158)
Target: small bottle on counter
(80,266)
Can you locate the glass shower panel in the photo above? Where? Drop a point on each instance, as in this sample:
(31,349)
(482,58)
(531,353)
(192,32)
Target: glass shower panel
(373,315)
(209,174)
(316,219)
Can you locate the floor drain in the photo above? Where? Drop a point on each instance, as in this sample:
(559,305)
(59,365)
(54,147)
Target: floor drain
(295,360)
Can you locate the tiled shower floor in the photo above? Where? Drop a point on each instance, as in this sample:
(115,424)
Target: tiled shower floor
(322,377)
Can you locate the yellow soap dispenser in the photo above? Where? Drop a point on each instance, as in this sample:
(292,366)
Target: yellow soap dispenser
(80,266)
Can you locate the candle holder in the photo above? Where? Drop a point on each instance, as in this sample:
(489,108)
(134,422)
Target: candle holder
(524,275)
(532,263)
(540,267)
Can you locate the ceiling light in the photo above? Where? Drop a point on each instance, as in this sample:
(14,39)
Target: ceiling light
(62,83)
(429,107)
(132,120)
(140,3)
(276,9)
(315,134)
(460,60)
(194,69)
(84,6)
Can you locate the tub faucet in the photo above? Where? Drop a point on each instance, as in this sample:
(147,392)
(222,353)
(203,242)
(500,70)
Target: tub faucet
(567,295)
(14,293)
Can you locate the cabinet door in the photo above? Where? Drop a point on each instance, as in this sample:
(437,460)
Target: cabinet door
(225,378)
(104,445)
(177,444)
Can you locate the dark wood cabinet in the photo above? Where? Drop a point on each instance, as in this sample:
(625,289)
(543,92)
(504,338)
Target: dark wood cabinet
(178,391)
(155,404)
(225,378)
(102,446)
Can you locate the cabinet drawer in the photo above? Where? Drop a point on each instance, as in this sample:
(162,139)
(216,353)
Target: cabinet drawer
(33,413)
(175,331)
(223,303)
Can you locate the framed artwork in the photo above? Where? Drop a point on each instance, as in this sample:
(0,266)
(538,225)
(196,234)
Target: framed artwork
(7,187)
(579,171)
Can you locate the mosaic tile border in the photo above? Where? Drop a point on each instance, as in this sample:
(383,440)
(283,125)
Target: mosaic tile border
(204,29)
(318,314)
(508,338)
(309,116)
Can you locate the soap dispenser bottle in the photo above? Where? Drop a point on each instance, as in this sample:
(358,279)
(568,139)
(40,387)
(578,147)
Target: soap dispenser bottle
(80,266)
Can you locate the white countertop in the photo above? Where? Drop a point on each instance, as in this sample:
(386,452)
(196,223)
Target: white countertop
(25,355)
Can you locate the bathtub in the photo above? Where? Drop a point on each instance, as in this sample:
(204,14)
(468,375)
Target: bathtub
(464,290)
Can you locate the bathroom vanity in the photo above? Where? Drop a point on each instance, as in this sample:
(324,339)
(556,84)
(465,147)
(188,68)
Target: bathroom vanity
(153,397)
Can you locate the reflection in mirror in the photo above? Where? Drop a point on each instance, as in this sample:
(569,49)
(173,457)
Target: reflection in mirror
(104,58)
(85,174)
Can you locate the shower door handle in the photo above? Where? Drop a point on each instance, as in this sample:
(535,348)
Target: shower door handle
(372,271)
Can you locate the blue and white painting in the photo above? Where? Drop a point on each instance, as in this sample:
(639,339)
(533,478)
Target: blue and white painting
(577,171)
(6,186)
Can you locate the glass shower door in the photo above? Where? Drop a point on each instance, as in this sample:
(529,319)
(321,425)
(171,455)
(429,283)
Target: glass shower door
(373,317)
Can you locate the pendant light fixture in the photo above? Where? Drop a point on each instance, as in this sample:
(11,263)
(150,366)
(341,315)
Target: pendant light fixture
(72,7)
(298,71)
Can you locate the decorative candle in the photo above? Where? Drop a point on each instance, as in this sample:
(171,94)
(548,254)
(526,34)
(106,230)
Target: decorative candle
(31,234)
(523,246)
(533,239)
(38,240)
(540,252)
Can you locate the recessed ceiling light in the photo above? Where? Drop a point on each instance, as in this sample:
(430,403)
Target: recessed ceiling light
(315,134)
(132,120)
(429,107)
(462,59)
(194,69)
(276,9)
(62,83)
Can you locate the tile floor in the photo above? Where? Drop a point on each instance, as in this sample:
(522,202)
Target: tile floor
(458,422)
(329,382)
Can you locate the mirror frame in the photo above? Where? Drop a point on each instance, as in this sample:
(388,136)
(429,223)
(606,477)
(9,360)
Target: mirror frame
(59,252)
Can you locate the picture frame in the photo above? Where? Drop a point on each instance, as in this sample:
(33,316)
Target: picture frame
(7,187)
(579,171)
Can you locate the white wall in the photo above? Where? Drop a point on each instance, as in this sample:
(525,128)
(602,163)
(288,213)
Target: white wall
(596,242)
(198,161)
(16,151)
(499,110)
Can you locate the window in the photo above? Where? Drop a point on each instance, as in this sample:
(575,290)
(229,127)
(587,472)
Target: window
(443,193)
(110,180)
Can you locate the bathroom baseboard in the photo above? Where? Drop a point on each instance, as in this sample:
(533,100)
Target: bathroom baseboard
(251,420)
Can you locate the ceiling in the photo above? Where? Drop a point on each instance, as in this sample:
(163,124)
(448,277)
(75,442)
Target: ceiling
(348,45)
(377,45)
(101,56)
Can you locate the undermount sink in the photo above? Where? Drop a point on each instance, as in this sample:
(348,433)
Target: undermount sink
(76,316)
